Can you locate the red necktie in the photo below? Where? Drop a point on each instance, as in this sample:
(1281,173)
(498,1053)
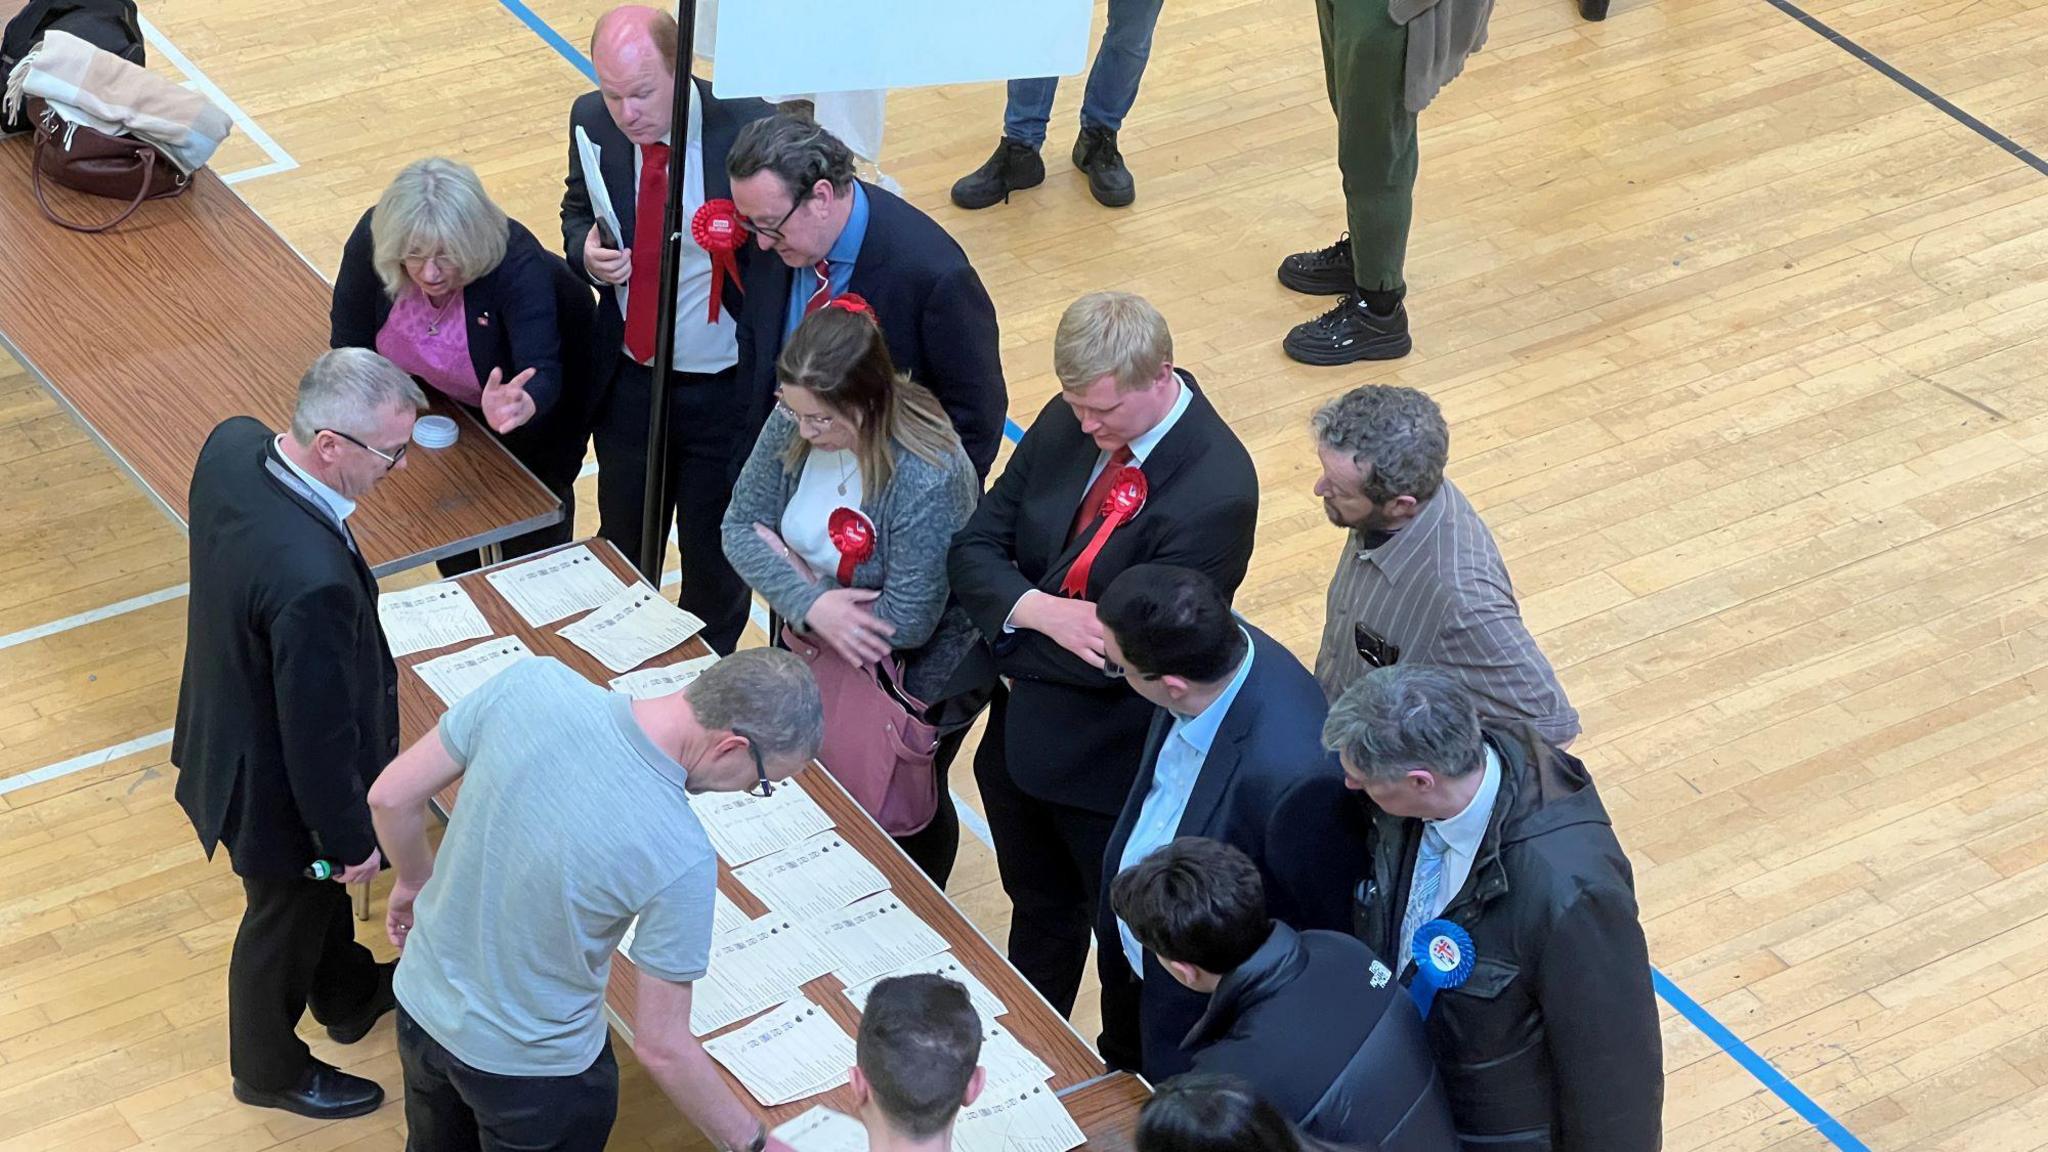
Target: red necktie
(1091,504)
(823,292)
(650,207)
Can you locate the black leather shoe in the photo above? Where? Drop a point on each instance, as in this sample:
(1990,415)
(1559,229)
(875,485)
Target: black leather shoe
(323,1093)
(1013,168)
(360,1027)
(1323,272)
(1593,9)
(1095,153)
(1348,333)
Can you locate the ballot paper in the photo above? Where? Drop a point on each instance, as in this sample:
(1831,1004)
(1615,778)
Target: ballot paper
(944,964)
(1016,1118)
(663,680)
(725,917)
(556,585)
(461,672)
(632,628)
(744,827)
(823,1130)
(1007,1059)
(793,1052)
(600,198)
(808,880)
(877,935)
(429,616)
(759,966)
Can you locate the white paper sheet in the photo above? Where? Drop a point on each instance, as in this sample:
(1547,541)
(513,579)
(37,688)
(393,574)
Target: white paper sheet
(725,915)
(663,680)
(986,1004)
(1008,1061)
(600,196)
(556,585)
(429,616)
(763,964)
(465,670)
(812,878)
(793,1052)
(1017,1118)
(632,628)
(823,1130)
(744,827)
(877,935)
(859,44)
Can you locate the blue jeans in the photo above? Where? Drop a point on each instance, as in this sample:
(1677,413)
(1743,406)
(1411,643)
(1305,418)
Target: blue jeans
(1112,82)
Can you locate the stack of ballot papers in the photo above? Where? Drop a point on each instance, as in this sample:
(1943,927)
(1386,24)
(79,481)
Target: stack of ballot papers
(823,1130)
(986,1005)
(813,877)
(663,680)
(793,1052)
(874,936)
(464,671)
(1018,1117)
(634,626)
(756,967)
(429,616)
(556,585)
(744,827)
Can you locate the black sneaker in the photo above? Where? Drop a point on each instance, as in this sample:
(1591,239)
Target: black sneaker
(1095,153)
(1013,168)
(1348,333)
(1323,272)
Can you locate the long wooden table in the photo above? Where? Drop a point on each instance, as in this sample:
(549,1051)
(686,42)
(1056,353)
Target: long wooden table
(194,310)
(1108,1102)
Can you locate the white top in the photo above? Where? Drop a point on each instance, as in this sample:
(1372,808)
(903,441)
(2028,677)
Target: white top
(1462,834)
(700,347)
(340,505)
(809,511)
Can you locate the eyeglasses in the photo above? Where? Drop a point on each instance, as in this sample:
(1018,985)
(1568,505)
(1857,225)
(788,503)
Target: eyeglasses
(762,788)
(1116,671)
(814,423)
(390,459)
(774,231)
(442,262)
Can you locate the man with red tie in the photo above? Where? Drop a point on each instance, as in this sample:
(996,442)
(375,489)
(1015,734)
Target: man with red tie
(627,124)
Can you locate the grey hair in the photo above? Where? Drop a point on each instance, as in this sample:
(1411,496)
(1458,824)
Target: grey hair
(795,149)
(436,206)
(767,695)
(1394,720)
(1396,436)
(345,389)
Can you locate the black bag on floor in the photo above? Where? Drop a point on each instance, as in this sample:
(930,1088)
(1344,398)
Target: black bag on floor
(109,25)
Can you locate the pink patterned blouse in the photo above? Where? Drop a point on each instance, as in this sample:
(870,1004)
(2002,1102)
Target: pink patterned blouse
(432,344)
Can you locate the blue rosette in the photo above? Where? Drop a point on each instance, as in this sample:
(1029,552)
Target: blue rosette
(1443,959)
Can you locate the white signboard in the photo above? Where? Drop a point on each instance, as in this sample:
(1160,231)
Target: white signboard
(770,47)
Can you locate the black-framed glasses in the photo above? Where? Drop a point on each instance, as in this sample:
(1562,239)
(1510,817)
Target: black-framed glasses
(390,459)
(1116,671)
(762,787)
(774,231)
(1374,649)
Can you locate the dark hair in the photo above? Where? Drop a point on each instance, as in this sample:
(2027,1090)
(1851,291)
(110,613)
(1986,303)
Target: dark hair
(1211,1112)
(1172,621)
(919,1042)
(1397,433)
(795,149)
(1196,900)
(840,357)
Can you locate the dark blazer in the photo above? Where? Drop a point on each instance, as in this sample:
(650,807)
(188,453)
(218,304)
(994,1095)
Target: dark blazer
(723,120)
(530,311)
(936,316)
(1316,1023)
(1268,789)
(288,708)
(1200,512)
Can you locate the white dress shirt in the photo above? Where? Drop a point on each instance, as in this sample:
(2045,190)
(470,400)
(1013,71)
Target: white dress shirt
(1462,834)
(700,347)
(340,505)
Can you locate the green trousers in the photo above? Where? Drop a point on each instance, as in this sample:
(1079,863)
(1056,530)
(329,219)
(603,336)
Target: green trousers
(1364,59)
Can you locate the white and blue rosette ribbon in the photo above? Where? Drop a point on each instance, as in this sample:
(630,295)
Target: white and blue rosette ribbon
(1443,959)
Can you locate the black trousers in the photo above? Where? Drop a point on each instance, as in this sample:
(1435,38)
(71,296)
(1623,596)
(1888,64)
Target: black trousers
(452,1107)
(296,949)
(704,419)
(1049,856)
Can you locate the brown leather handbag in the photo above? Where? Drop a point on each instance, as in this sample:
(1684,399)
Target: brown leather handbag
(90,161)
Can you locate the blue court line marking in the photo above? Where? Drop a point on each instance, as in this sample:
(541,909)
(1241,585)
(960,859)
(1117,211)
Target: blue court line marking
(555,40)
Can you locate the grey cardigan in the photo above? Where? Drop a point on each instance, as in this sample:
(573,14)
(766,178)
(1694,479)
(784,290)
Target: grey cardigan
(1441,33)
(915,519)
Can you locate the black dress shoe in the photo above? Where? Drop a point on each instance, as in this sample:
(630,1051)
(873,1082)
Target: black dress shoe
(381,1003)
(1095,153)
(1593,9)
(1348,333)
(1012,168)
(1323,272)
(323,1093)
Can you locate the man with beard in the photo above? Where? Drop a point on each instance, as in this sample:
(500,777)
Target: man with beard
(1420,580)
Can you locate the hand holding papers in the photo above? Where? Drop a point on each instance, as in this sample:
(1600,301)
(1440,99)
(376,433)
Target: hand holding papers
(591,158)
(876,935)
(823,1130)
(556,585)
(1016,1118)
(793,1052)
(819,875)
(429,616)
(757,967)
(944,964)
(632,628)
(459,673)
(663,680)
(744,827)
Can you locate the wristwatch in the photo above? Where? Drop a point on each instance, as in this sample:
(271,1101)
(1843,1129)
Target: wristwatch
(757,1144)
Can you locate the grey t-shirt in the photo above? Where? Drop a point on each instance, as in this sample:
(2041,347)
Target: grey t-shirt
(571,823)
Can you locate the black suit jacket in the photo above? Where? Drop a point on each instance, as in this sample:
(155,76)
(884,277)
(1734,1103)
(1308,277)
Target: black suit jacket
(723,120)
(530,311)
(936,316)
(288,708)
(1268,789)
(1073,736)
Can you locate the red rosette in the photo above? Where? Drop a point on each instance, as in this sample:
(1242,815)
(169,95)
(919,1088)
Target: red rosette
(853,534)
(1126,496)
(719,231)
(855,303)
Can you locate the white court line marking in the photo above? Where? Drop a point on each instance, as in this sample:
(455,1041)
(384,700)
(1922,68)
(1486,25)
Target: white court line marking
(280,160)
(81,763)
(94,616)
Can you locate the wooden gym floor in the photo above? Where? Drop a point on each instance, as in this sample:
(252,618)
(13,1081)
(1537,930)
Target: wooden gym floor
(1741,342)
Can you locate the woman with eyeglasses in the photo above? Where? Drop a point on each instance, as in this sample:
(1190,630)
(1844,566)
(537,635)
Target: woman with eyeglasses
(441,282)
(842,518)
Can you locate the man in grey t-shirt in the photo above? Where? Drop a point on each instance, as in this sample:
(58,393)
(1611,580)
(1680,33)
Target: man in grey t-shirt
(573,823)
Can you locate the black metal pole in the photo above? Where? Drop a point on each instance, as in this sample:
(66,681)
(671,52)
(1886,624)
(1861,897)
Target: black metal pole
(654,525)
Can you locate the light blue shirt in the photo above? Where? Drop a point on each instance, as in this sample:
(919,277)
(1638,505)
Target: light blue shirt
(845,251)
(340,505)
(1174,774)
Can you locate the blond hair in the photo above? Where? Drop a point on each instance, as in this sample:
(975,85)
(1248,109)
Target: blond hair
(840,357)
(436,205)
(1117,334)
